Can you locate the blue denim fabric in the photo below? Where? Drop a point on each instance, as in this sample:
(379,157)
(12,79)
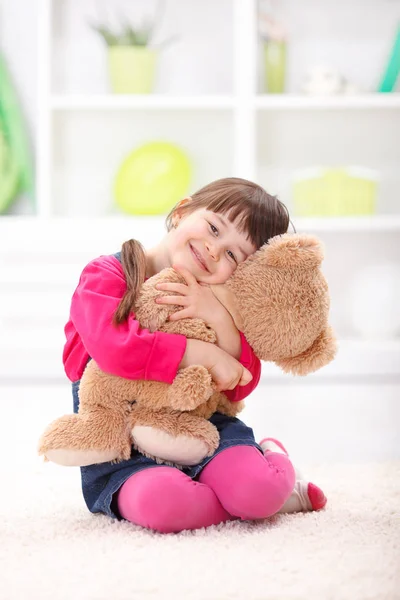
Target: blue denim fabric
(100,482)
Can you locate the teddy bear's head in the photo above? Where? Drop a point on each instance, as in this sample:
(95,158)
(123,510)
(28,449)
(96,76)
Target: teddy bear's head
(282,298)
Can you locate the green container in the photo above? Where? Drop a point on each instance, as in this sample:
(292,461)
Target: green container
(275,66)
(132,69)
(328,192)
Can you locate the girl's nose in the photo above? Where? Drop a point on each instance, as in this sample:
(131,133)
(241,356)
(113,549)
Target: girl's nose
(213,251)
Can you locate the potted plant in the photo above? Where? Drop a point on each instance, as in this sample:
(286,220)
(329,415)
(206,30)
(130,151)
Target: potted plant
(132,57)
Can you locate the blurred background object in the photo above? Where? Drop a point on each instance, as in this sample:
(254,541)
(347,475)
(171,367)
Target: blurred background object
(132,55)
(152,179)
(318,135)
(392,71)
(323,80)
(16,161)
(319,192)
(274,36)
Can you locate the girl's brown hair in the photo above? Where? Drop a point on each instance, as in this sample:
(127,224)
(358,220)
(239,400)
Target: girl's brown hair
(245,203)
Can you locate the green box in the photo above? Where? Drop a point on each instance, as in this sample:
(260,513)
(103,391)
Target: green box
(327,192)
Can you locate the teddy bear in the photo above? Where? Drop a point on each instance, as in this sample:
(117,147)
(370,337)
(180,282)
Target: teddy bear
(278,298)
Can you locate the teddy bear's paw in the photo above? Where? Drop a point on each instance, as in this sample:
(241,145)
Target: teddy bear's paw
(191,387)
(79,458)
(181,449)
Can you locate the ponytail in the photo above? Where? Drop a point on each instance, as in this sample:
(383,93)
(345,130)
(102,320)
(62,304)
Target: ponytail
(133,260)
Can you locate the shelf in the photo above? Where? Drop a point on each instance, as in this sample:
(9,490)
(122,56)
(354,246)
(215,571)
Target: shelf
(106,235)
(354,358)
(60,224)
(375,223)
(141,102)
(302,102)
(264,102)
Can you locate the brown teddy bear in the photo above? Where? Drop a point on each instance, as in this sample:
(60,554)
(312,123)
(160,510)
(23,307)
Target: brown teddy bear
(278,298)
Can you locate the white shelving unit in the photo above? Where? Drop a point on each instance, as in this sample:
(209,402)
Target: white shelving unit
(217,112)
(301,102)
(140,102)
(236,120)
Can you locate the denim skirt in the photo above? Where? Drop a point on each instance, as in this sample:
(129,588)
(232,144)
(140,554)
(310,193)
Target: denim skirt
(100,482)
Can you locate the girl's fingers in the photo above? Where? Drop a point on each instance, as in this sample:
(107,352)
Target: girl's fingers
(181,300)
(181,314)
(179,288)
(189,277)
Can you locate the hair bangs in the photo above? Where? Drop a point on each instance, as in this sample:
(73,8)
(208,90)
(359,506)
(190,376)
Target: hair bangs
(253,216)
(253,211)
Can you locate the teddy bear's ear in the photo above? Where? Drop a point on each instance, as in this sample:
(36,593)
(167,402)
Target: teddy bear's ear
(319,354)
(288,250)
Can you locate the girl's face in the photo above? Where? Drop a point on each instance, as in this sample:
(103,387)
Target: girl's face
(208,245)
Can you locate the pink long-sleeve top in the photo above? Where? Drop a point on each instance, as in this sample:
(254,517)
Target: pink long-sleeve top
(127,350)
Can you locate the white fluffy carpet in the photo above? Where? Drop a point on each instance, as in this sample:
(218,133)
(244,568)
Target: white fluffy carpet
(52,548)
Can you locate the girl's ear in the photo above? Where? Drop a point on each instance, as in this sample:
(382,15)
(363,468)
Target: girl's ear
(177,212)
(183,202)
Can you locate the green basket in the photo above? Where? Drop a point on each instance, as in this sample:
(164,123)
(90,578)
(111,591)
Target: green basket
(327,192)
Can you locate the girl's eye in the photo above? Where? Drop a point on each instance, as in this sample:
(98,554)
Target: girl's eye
(215,231)
(213,228)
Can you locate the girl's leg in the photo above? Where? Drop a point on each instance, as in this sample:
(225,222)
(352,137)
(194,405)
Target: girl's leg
(248,484)
(306,496)
(166,500)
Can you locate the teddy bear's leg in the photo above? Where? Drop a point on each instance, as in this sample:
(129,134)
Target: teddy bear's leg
(191,387)
(76,440)
(173,437)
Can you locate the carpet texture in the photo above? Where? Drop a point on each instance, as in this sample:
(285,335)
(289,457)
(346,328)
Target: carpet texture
(52,548)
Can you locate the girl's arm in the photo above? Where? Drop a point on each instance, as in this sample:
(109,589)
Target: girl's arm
(228,337)
(249,360)
(127,350)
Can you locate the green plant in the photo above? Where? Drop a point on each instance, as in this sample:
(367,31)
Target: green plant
(130,35)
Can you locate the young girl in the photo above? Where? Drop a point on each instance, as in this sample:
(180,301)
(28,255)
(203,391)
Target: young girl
(208,235)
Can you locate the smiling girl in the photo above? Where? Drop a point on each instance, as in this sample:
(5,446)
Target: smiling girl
(208,235)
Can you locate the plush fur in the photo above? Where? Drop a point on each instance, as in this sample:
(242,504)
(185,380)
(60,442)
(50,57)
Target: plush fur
(281,303)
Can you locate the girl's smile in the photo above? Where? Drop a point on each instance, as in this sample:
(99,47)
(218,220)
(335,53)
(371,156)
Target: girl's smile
(198,258)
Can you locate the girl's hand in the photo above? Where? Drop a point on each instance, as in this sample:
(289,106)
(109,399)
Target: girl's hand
(197,299)
(226,371)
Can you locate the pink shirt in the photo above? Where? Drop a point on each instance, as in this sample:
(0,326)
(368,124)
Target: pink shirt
(127,350)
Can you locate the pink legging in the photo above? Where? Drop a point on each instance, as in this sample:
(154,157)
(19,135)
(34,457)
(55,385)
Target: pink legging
(237,483)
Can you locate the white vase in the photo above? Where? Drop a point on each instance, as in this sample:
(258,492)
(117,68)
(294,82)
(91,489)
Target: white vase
(375,302)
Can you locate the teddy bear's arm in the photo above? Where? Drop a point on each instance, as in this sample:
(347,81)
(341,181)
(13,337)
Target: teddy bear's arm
(191,328)
(154,316)
(150,314)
